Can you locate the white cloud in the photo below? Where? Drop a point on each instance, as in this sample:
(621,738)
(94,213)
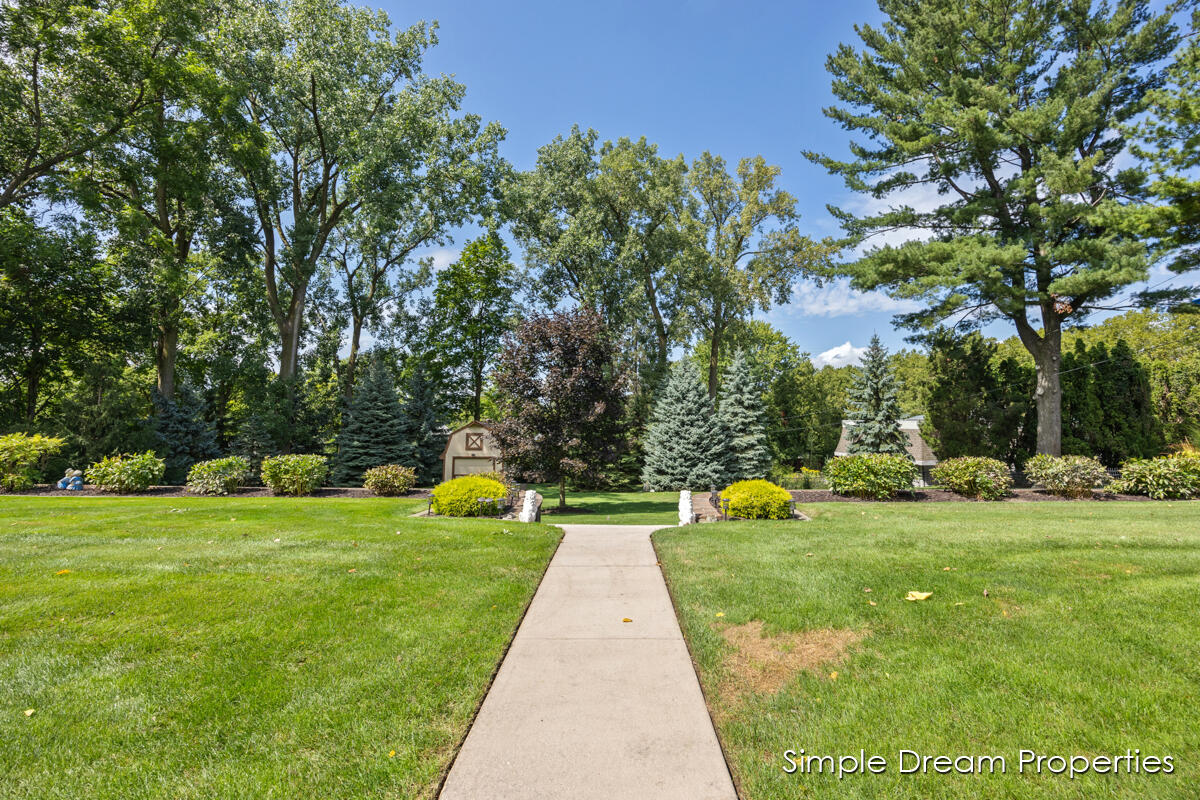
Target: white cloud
(441,257)
(840,356)
(837,299)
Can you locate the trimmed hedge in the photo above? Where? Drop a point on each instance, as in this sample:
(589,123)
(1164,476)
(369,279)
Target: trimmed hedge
(1173,477)
(127,473)
(1068,476)
(219,476)
(971,476)
(460,497)
(294,474)
(874,476)
(390,480)
(21,459)
(758,499)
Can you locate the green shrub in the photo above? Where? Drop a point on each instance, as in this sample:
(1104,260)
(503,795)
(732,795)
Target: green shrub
(390,480)
(499,477)
(878,476)
(294,474)
(460,497)
(127,473)
(1068,476)
(1173,477)
(970,476)
(21,459)
(219,476)
(757,499)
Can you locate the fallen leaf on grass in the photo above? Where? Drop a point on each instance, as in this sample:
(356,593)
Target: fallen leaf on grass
(720,613)
(808,555)
(918,595)
(833,676)
(391,754)
(29,712)
(960,604)
(62,572)
(868,589)
(872,602)
(351,570)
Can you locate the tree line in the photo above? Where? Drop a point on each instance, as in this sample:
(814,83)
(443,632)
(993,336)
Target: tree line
(212,211)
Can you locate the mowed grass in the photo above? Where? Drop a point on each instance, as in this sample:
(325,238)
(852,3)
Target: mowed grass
(610,508)
(248,648)
(1087,643)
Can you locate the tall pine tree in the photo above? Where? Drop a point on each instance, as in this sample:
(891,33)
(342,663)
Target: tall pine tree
(373,431)
(743,416)
(422,426)
(686,446)
(874,406)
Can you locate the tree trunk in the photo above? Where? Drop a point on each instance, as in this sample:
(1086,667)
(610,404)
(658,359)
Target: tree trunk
(289,335)
(352,359)
(1049,400)
(33,386)
(166,352)
(562,493)
(714,359)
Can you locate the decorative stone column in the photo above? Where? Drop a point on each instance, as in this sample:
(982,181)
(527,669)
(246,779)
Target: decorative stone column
(685,507)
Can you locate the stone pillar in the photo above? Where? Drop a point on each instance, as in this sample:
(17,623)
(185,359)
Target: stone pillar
(685,507)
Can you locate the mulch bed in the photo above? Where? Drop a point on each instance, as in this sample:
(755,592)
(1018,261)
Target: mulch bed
(944,496)
(49,490)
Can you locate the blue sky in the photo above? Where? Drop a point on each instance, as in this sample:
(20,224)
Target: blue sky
(735,78)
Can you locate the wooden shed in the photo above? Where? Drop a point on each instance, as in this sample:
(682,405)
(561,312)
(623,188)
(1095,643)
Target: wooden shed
(470,449)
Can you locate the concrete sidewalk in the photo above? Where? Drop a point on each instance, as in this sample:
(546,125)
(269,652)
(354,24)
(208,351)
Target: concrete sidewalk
(588,706)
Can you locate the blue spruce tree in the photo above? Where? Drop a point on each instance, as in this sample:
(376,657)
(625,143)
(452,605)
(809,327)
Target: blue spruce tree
(743,417)
(685,442)
(874,407)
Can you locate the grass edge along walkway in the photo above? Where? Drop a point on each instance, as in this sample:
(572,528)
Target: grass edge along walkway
(198,648)
(1084,643)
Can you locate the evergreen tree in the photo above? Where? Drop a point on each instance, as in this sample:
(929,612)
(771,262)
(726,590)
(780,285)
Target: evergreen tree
(254,443)
(183,435)
(1129,422)
(977,406)
(743,416)
(686,446)
(422,427)
(874,406)
(373,430)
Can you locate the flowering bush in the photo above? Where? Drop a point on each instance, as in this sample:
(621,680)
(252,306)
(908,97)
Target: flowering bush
(1069,476)
(878,476)
(219,476)
(21,458)
(985,478)
(461,496)
(390,480)
(1173,477)
(758,499)
(294,474)
(127,473)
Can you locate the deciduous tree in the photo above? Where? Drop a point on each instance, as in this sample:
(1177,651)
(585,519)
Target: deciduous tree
(560,397)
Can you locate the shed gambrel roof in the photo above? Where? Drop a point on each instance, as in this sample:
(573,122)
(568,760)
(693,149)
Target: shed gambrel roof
(475,423)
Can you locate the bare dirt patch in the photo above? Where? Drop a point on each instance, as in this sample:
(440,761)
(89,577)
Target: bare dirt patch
(765,664)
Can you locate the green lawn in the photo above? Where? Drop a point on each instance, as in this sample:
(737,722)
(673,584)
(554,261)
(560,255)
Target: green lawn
(247,648)
(610,508)
(1087,642)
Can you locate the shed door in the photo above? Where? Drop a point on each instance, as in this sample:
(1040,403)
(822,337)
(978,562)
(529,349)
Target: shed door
(469,465)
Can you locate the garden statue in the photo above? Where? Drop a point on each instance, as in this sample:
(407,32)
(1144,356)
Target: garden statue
(72,480)
(530,508)
(685,507)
